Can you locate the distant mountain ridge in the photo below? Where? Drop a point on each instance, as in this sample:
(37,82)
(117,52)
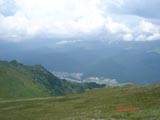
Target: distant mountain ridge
(18,80)
(126,61)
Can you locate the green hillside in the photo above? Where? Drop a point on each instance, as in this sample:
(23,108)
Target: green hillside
(98,104)
(21,81)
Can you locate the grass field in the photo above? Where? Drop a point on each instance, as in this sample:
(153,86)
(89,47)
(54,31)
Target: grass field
(97,104)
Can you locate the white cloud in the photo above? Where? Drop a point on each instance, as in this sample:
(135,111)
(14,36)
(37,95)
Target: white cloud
(149,27)
(13,26)
(128,37)
(1,2)
(147,31)
(141,37)
(73,18)
(155,36)
(67,42)
(118,30)
(53,17)
(143,31)
(64,16)
(115,27)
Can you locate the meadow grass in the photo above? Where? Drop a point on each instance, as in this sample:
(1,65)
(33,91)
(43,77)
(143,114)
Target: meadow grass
(97,104)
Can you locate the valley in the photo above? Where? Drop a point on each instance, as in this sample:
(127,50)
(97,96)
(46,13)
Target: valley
(78,77)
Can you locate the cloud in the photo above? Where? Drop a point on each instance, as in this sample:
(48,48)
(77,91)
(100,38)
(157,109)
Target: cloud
(142,31)
(147,31)
(115,27)
(142,8)
(127,37)
(53,17)
(68,42)
(7,7)
(120,19)
(118,30)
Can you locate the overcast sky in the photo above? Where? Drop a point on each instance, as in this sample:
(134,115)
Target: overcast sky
(129,20)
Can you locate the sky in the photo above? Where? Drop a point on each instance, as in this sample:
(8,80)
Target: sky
(129,20)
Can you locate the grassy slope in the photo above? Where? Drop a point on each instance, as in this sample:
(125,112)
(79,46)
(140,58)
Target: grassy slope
(14,83)
(98,104)
(21,81)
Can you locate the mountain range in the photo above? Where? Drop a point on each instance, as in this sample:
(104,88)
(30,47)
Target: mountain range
(22,81)
(125,61)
